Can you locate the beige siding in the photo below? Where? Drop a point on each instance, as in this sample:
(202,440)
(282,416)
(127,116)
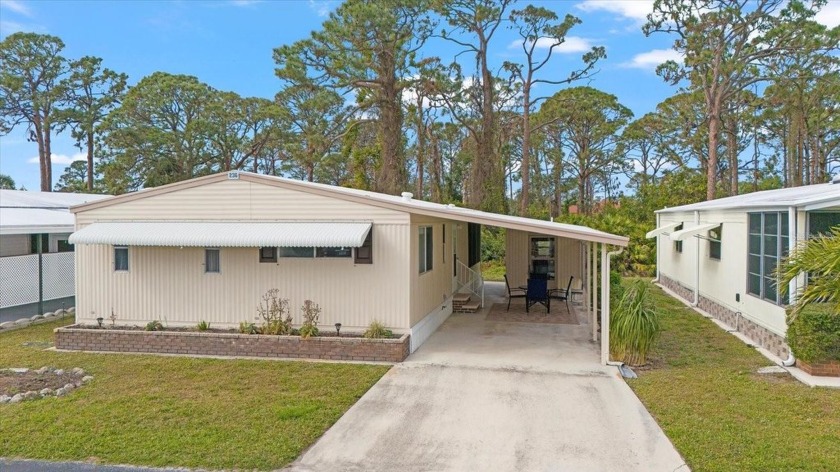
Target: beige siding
(429,290)
(14,245)
(170,284)
(568,259)
(240,200)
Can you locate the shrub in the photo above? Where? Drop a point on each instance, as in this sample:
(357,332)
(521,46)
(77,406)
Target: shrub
(203,325)
(248,328)
(154,326)
(814,332)
(377,330)
(274,313)
(634,325)
(311,312)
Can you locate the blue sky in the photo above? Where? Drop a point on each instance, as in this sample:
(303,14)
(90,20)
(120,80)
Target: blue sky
(228,44)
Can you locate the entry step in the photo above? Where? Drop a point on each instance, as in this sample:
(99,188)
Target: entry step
(461,297)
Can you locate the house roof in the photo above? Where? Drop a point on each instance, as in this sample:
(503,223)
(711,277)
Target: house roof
(23,212)
(224,234)
(809,197)
(409,205)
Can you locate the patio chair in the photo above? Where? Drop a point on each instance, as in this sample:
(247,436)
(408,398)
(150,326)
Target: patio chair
(513,292)
(561,294)
(537,293)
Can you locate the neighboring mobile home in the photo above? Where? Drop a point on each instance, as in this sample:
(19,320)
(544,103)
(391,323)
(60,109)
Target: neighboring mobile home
(209,248)
(721,255)
(33,223)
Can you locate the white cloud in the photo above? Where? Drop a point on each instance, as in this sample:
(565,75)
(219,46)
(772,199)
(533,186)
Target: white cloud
(10,27)
(651,59)
(61,159)
(829,15)
(572,44)
(632,9)
(321,7)
(16,6)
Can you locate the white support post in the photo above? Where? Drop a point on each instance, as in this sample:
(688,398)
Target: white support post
(793,287)
(696,262)
(605,305)
(593,297)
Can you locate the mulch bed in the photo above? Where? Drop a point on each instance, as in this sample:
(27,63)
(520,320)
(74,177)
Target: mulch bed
(12,383)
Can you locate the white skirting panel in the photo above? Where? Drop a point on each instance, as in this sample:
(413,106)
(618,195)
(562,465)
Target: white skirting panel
(429,324)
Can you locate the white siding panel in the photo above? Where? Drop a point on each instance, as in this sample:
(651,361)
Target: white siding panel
(14,245)
(170,284)
(240,200)
(430,290)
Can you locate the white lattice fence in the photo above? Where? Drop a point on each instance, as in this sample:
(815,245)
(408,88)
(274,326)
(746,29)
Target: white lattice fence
(59,275)
(18,280)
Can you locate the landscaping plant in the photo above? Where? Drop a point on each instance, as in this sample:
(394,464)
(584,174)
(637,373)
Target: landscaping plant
(154,326)
(377,330)
(311,312)
(819,257)
(274,313)
(203,325)
(813,334)
(246,327)
(634,325)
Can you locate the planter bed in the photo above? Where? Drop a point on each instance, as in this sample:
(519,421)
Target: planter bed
(210,343)
(824,368)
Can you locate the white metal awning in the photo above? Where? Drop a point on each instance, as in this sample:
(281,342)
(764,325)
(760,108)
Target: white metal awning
(224,234)
(694,230)
(662,230)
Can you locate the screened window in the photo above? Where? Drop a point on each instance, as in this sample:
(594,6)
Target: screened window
(333,252)
(715,238)
(821,222)
(767,244)
(211,261)
(268,254)
(120,258)
(364,254)
(65,246)
(678,245)
(295,251)
(44,240)
(426,248)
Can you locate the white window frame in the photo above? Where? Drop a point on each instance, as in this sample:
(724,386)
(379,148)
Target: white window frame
(127,259)
(425,243)
(218,252)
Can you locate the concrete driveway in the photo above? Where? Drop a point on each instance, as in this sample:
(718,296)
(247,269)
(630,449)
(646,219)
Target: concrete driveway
(497,396)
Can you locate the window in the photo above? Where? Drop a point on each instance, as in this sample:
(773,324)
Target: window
(715,237)
(333,252)
(821,222)
(767,244)
(295,252)
(426,248)
(678,245)
(364,254)
(268,254)
(211,261)
(120,258)
(65,246)
(542,257)
(33,243)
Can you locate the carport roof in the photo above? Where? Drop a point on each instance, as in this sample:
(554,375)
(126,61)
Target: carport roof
(404,203)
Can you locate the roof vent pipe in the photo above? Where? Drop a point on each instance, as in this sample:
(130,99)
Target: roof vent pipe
(407,196)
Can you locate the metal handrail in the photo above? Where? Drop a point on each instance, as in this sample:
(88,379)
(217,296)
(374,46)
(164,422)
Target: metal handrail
(466,277)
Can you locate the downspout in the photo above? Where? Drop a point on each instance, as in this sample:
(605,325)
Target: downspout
(697,264)
(605,304)
(792,287)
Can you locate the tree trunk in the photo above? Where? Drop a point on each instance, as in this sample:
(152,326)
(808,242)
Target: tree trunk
(732,150)
(436,169)
(712,164)
(392,171)
(525,168)
(90,161)
(421,148)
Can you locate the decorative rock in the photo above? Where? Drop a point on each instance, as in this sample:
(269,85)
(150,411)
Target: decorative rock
(7,324)
(17,398)
(87,378)
(60,312)
(71,310)
(30,395)
(60,392)
(78,371)
(22,321)
(19,370)
(45,392)
(49,314)
(59,372)
(36,318)
(773,369)
(68,387)
(5,398)
(42,370)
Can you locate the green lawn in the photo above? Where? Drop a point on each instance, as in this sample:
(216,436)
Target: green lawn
(174,411)
(704,391)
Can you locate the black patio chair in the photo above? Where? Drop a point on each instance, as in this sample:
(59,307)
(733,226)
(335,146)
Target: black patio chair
(513,292)
(537,293)
(563,295)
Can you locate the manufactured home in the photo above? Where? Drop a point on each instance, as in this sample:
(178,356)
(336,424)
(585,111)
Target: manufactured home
(36,259)
(207,249)
(721,255)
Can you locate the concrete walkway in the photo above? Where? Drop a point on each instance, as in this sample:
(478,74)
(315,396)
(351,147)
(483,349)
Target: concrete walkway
(497,396)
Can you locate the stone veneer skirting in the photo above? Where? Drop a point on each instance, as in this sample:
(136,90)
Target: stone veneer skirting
(759,334)
(76,338)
